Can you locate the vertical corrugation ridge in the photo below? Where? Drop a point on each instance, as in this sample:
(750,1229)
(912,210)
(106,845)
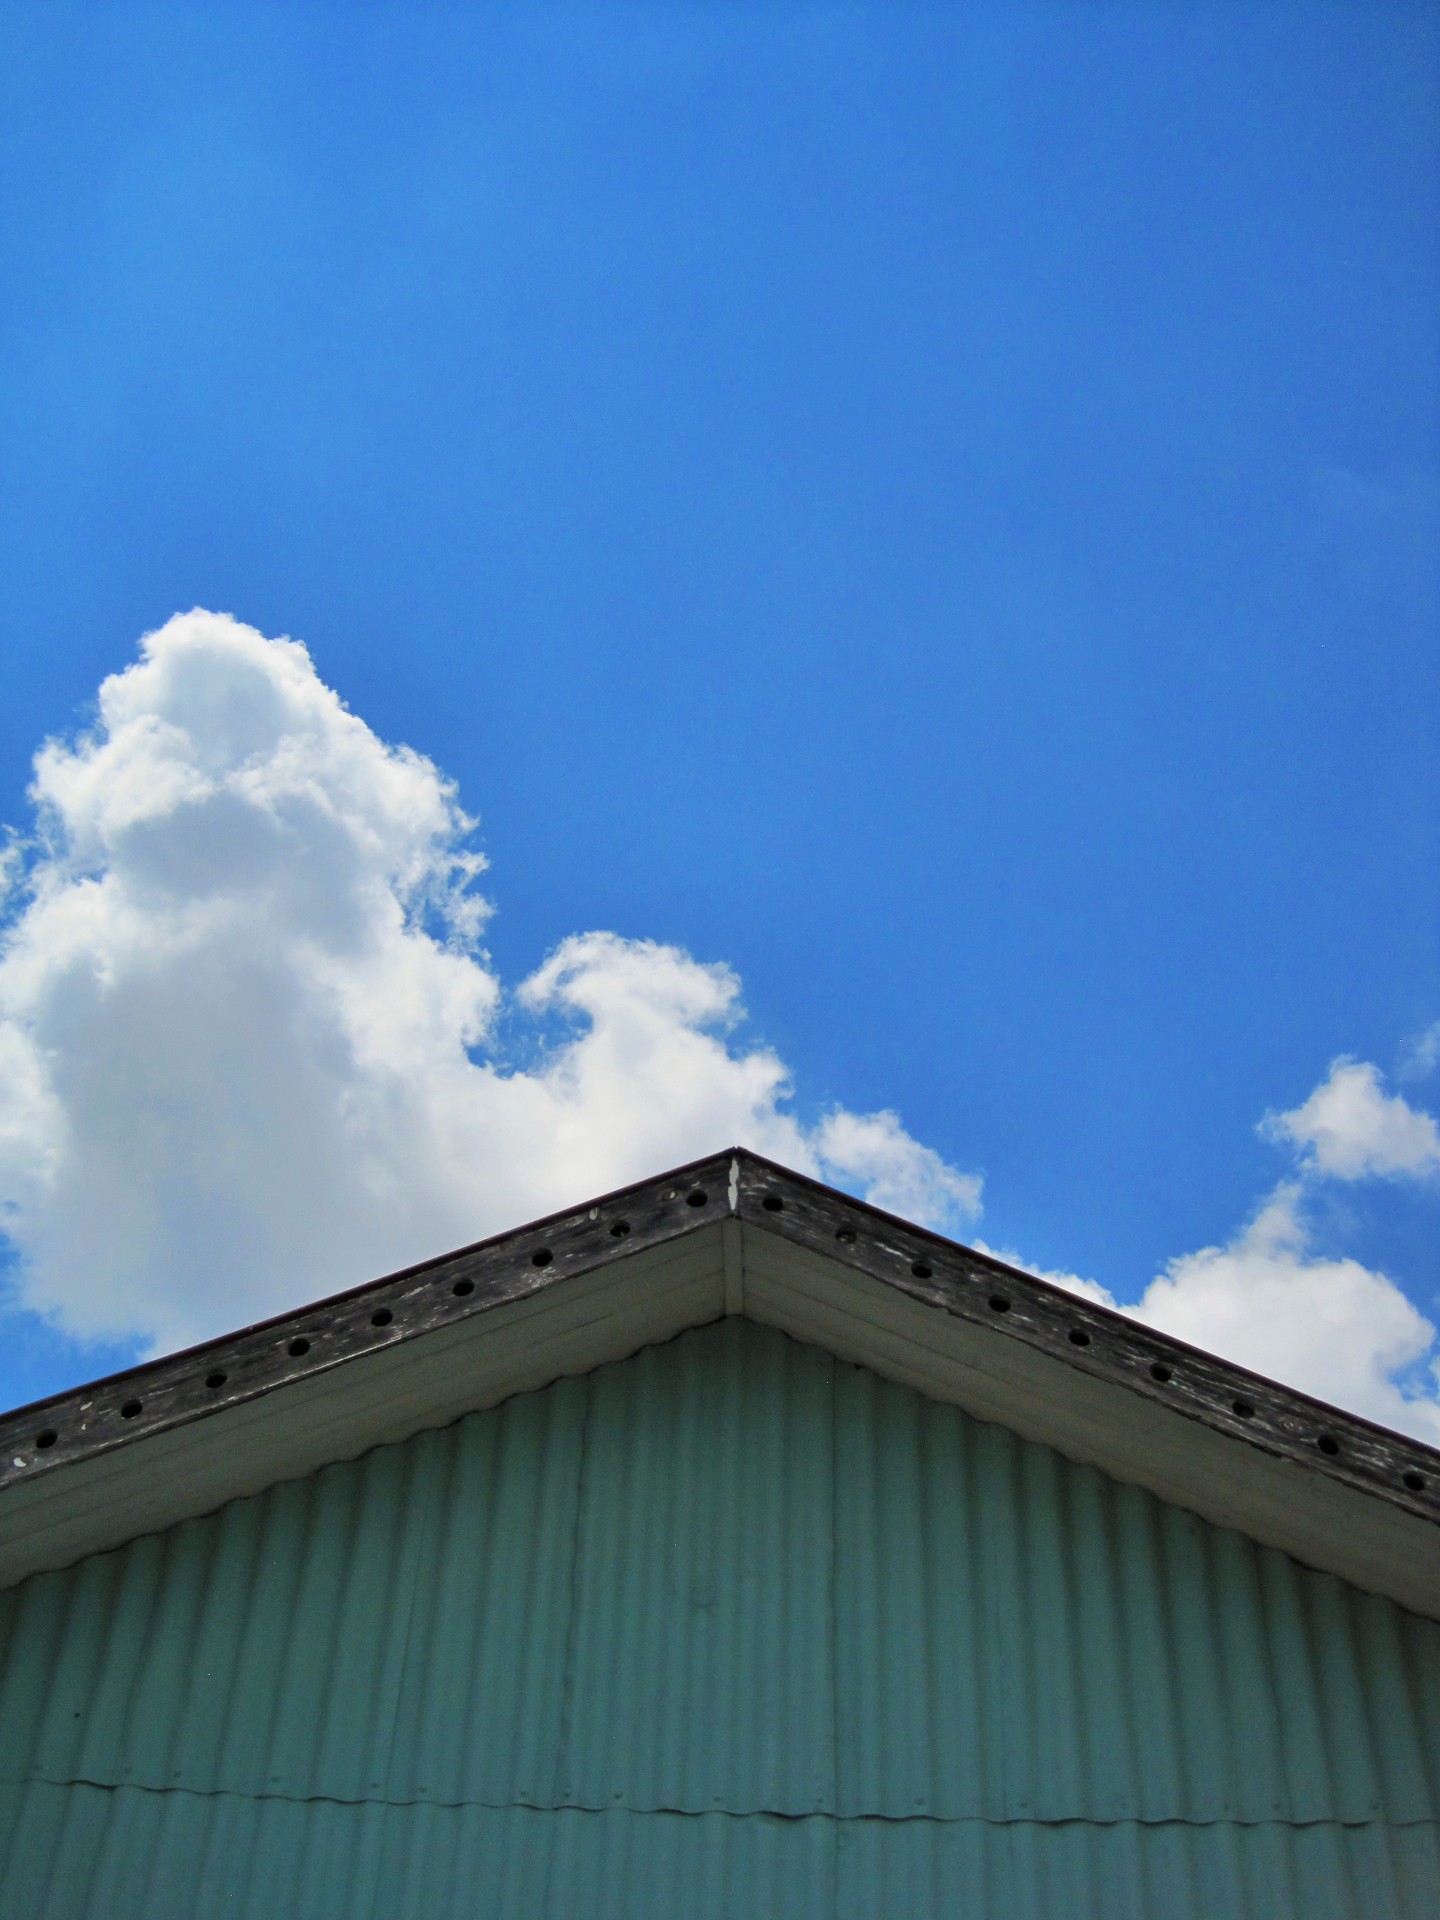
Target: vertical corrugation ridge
(703,1680)
(480,1704)
(572,1611)
(405,1576)
(1143,1661)
(701,1652)
(733,1576)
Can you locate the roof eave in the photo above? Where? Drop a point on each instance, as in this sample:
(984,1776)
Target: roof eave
(730,1233)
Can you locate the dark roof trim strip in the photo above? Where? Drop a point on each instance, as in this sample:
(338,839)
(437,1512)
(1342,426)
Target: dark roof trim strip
(68,1429)
(162,1394)
(976,1287)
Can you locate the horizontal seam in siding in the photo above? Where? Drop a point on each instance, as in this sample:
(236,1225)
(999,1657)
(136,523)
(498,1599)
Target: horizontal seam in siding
(707,1813)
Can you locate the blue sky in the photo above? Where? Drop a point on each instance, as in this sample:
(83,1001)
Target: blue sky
(935,510)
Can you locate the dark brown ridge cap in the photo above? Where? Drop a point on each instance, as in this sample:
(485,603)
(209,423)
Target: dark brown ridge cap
(928,1268)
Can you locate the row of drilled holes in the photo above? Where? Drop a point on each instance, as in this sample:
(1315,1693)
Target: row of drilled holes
(697,1197)
(382,1317)
(1159,1371)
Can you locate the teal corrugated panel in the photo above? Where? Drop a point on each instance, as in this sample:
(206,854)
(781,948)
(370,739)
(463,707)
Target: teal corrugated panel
(699,1672)
(258,1649)
(263,1648)
(94,1853)
(973,1870)
(462,1863)
(88,1853)
(1021,1638)
(480,1711)
(634,1639)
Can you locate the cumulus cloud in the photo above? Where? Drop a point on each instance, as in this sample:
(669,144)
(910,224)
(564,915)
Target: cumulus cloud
(251,1048)
(1334,1327)
(1351,1129)
(872,1153)
(1272,1301)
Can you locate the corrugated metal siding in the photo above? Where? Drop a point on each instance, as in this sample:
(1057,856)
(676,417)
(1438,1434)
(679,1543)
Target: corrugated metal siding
(698,1679)
(1019,1637)
(125,1854)
(1133,1872)
(481,1712)
(586,1646)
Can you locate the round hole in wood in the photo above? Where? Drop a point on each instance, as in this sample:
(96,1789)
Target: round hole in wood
(130,1409)
(696,1197)
(462,1287)
(772,1203)
(1242,1409)
(1414,1481)
(216,1379)
(921,1269)
(1327,1443)
(998,1303)
(541,1257)
(1079,1337)
(47,1438)
(619,1229)
(298,1346)
(381,1317)
(1159,1371)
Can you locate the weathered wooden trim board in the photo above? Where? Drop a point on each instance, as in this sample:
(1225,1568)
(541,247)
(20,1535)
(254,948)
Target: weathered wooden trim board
(730,1234)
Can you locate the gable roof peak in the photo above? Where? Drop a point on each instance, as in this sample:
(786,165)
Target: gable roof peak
(730,1233)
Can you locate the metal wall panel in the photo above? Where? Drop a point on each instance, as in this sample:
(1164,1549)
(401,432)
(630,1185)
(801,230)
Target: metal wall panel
(480,1712)
(974,1870)
(125,1854)
(1019,1637)
(261,1649)
(90,1853)
(700,1679)
(635,1639)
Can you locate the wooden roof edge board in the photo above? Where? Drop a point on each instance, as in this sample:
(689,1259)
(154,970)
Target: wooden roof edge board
(177,1388)
(490,1350)
(920,1269)
(186,1471)
(938,1273)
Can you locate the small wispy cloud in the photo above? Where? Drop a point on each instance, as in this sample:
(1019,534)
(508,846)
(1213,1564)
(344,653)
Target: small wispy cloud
(1351,1129)
(250,1045)
(1272,1300)
(1421,1056)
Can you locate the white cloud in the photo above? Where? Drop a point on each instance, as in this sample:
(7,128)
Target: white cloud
(1333,1328)
(1351,1129)
(251,1051)
(1422,1055)
(872,1153)
(249,1044)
